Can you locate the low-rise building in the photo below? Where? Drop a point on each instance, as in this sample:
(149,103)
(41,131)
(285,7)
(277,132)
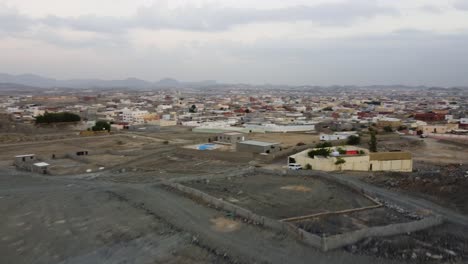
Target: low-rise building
(259,147)
(438,129)
(354,159)
(30,163)
(230,137)
(388,122)
(337,136)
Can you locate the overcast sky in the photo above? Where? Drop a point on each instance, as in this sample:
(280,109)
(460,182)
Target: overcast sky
(322,42)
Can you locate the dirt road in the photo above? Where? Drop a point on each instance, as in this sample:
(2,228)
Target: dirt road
(399,198)
(64,220)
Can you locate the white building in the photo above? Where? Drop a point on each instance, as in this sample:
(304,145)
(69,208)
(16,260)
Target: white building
(337,136)
(133,116)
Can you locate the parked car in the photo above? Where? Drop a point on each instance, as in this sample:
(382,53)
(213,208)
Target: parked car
(294,166)
(423,136)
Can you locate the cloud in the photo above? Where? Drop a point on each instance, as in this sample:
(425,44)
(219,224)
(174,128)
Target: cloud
(461,4)
(212,18)
(204,18)
(12,21)
(91,23)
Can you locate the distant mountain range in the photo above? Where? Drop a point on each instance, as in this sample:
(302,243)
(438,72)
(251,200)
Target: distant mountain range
(30,81)
(33,80)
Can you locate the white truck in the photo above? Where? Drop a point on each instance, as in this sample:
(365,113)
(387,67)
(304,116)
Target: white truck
(294,166)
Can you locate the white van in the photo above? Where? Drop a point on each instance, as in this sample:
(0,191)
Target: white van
(294,166)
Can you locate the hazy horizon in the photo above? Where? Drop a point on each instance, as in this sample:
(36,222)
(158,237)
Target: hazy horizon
(219,82)
(339,42)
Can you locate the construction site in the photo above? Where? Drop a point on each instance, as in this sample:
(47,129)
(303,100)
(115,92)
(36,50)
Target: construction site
(147,198)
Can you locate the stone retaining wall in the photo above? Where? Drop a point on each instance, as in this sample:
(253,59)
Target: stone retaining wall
(323,243)
(283,227)
(341,240)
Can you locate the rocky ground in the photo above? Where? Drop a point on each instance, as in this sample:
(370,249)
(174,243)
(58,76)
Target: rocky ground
(443,244)
(123,215)
(444,184)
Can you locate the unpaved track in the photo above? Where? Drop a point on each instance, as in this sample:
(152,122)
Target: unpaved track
(248,244)
(46,220)
(399,198)
(57,220)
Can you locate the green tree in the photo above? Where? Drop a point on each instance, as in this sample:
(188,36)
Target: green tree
(388,129)
(353,140)
(324,145)
(341,151)
(57,118)
(373,142)
(324,152)
(101,125)
(193,109)
(340,161)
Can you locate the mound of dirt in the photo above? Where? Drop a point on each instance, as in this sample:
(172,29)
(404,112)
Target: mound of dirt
(297,188)
(225,225)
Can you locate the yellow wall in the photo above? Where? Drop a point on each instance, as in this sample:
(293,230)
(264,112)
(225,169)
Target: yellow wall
(353,163)
(440,129)
(392,165)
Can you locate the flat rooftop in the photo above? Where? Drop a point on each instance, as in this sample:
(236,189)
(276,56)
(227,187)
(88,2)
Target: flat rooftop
(233,133)
(41,164)
(257,143)
(26,155)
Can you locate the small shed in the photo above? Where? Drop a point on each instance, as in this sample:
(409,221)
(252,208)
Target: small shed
(40,167)
(230,137)
(22,159)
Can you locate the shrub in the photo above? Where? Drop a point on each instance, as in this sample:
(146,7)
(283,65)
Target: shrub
(325,152)
(341,151)
(340,161)
(308,167)
(323,145)
(388,129)
(353,140)
(101,125)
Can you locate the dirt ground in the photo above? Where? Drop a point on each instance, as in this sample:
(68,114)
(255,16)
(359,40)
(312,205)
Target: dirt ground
(123,215)
(427,149)
(438,151)
(64,220)
(443,244)
(286,139)
(51,222)
(337,224)
(282,197)
(444,184)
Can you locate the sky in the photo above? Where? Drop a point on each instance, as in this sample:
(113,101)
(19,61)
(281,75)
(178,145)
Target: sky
(295,42)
